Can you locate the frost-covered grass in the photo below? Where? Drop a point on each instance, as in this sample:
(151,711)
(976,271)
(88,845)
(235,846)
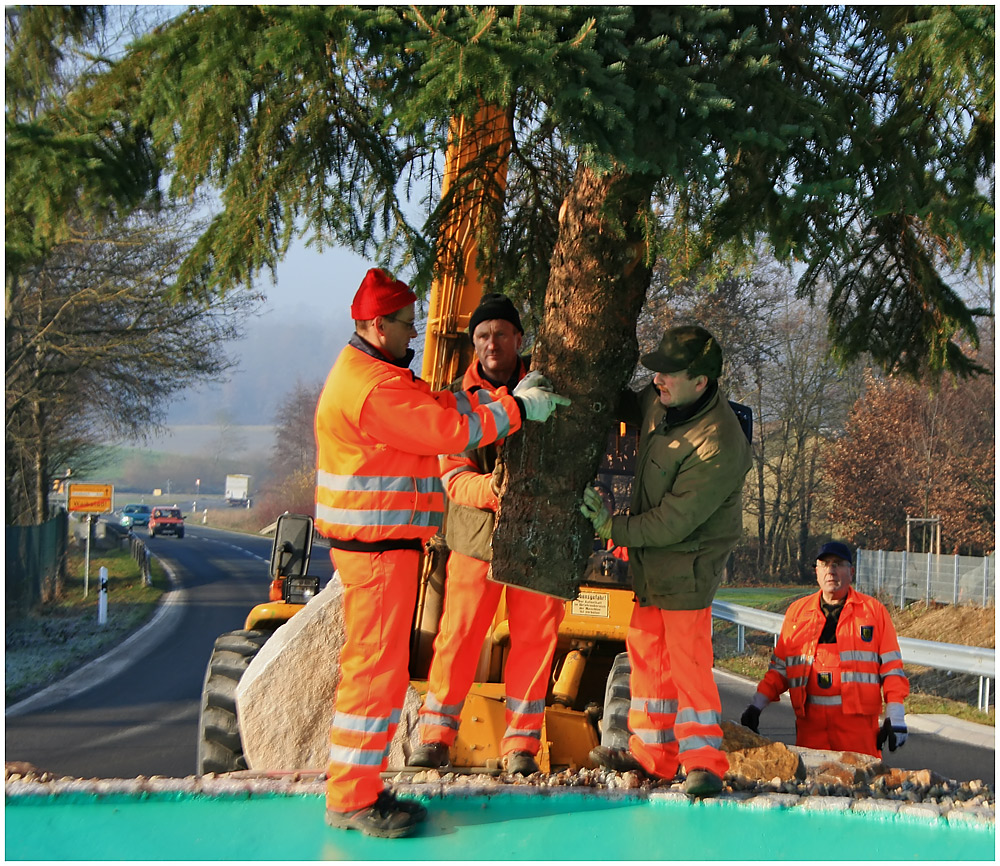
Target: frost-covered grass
(56,638)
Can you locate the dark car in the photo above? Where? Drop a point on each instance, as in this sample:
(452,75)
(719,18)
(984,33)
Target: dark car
(135,515)
(166,521)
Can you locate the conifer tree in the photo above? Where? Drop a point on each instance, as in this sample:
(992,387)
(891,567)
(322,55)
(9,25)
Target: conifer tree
(820,130)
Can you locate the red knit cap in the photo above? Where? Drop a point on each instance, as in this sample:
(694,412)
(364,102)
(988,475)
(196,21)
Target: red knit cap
(380,295)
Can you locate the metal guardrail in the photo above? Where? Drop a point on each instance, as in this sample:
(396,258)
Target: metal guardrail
(142,556)
(978,661)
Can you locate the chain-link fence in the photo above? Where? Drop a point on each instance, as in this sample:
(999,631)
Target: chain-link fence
(902,577)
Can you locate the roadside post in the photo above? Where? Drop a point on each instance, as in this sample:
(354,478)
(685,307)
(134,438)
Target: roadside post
(102,599)
(89,499)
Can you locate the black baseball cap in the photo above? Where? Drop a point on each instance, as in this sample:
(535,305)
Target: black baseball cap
(835,548)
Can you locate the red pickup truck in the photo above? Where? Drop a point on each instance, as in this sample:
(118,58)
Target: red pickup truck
(166,521)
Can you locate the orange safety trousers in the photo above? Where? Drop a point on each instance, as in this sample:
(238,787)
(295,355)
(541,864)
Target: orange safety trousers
(380,591)
(675,715)
(470,602)
(825,725)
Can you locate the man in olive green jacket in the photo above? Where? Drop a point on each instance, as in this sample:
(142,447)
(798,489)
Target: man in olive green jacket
(684,520)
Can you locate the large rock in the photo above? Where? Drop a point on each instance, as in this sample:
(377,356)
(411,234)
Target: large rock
(757,758)
(285,698)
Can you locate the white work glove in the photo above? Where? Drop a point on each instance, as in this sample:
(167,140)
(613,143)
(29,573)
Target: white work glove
(893,728)
(594,509)
(534,379)
(536,395)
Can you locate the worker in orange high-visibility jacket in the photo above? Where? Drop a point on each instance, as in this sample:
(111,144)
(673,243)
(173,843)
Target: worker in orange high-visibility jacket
(471,598)
(379,498)
(837,655)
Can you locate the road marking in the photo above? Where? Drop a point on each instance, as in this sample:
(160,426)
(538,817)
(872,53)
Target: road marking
(112,662)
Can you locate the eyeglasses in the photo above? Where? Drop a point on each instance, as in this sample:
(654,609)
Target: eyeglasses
(409,324)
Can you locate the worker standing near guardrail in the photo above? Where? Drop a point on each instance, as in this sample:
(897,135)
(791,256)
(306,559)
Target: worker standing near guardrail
(379,498)
(837,655)
(685,517)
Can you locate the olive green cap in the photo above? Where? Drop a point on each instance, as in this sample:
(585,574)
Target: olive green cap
(686,348)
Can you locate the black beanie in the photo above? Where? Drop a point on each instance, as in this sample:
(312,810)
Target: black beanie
(494,306)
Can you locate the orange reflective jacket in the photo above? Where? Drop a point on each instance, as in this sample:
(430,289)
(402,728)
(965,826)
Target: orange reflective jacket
(379,431)
(467,478)
(870,661)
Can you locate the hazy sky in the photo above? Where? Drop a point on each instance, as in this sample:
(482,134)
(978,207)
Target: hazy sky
(295,338)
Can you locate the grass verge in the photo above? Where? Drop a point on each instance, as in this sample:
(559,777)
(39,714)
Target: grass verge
(57,638)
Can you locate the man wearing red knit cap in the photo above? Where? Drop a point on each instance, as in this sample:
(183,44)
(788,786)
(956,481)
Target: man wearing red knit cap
(379,498)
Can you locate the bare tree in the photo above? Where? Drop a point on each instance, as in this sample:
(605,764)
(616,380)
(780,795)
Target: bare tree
(95,346)
(912,450)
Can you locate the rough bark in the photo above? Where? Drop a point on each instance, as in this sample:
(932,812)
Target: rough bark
(587,347)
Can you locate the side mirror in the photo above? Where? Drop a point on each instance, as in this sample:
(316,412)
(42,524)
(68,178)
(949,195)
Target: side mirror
(292,547)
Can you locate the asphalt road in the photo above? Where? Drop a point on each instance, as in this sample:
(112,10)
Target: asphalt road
(144,719)
(136,711)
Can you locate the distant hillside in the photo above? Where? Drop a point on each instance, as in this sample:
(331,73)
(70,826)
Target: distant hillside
(190,459)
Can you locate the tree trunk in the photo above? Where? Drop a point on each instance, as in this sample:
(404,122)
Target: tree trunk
(597,286)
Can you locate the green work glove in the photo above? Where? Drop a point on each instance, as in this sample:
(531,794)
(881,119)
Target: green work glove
(594,509)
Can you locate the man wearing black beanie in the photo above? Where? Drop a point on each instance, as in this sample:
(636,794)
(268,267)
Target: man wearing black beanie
(471,598)
(494,306)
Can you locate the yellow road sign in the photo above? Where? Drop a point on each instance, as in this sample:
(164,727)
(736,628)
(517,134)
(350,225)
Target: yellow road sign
(93,498)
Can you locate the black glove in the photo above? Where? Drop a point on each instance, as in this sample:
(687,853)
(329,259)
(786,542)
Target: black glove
(751,719)
(894,735)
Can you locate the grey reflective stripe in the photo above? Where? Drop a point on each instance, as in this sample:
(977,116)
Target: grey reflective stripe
(501,418)
(357,757)
(700,717)
(663,707)
(655,736)
(475,432)
(377,483)
(365,724)
(354,517)
(525,708)
(895,672)
(824,700)
(859,677)
(458,470)
(777,665)
(531,734)
(796,682)
(892,657)
(859,656)
(395,716)
(432,703)
(463,402)
(798,660)
(439,720)
(689,744)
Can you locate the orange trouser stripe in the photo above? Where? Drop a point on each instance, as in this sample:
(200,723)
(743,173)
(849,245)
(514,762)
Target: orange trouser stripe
(470,604)
(675,714)
(380,591)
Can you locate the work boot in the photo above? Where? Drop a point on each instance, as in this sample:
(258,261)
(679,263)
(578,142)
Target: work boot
(431,755)
(387,817)
(702,783)
(520,763)
(619,760)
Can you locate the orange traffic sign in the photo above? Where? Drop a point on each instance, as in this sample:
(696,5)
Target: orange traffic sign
(93,498)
